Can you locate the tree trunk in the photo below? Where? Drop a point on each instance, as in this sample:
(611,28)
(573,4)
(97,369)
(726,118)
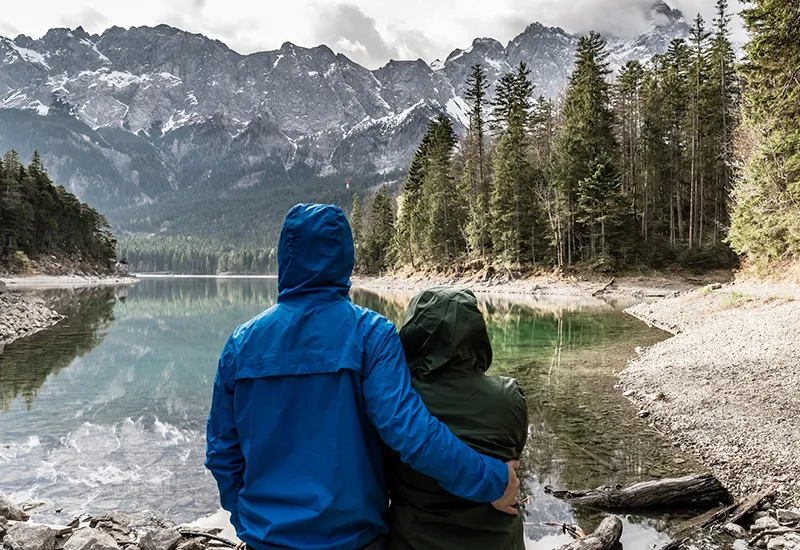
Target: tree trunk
(690,491)
(606,537)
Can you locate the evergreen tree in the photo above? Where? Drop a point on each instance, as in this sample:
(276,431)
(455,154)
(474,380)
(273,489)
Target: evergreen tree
(512,200)
(724,106)
(382,232)
(765,222)
(444,240)
(38,219)
(409,238)
(587,134)
(475,179)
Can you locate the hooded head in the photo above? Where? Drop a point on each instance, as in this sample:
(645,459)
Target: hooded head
(315,251)
(444,334)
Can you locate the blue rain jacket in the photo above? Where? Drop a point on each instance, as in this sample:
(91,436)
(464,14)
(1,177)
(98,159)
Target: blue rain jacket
(303,396)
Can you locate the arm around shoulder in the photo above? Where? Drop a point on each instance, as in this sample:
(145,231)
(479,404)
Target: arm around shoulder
(405,425)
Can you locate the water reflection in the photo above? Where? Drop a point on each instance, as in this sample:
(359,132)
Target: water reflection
(108,410)
(25,366)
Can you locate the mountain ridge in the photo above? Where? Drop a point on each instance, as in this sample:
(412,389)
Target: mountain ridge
(134,116)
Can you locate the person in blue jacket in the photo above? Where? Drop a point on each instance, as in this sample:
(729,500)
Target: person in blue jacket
(305,393)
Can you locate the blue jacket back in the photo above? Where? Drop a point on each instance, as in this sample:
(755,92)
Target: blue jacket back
(306,394)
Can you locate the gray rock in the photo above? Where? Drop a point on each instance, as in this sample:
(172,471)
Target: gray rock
(160,539)
(789,541)
(9,511)
(762,524)
(193,544)
(91,539)
(116,518)
(734,530)
(30,536)
(788,517)
(120,533)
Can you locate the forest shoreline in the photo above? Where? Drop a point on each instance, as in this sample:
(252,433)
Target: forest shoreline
(640,286)
(725,387)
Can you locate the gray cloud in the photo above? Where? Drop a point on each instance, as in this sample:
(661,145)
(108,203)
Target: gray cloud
(87,17)
(9,30)
(344,27)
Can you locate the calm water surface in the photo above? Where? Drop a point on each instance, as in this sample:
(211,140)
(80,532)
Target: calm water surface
(107,410)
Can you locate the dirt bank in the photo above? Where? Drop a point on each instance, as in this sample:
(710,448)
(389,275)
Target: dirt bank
(727,385)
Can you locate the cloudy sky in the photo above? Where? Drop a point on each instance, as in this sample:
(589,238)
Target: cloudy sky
(369,31)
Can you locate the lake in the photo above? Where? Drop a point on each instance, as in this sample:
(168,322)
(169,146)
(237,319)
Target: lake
(107,410)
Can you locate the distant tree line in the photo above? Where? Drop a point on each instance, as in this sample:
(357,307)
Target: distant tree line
(194,256)
(634,171)
(38,219)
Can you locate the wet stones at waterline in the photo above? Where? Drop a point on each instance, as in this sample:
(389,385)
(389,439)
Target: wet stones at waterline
(114,531)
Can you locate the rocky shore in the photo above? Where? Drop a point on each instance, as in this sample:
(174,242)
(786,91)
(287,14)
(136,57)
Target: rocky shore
(114,531)
(22,315)
(488,281)
(726,387)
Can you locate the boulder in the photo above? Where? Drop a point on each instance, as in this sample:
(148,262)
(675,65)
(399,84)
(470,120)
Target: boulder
(735,530)
(117,518)
(89,538)
(9,511)
(193,544)
(118,532)
(29,536)
(789,541)
(763,524)
(160,539)
(788,517)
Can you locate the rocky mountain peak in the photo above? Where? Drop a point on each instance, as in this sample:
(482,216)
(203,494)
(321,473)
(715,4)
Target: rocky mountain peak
(138,114)
(663,15)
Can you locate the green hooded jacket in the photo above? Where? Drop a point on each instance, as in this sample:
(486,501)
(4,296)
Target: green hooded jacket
(448,351)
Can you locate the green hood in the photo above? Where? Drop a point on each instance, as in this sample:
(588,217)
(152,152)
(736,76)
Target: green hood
(444,334)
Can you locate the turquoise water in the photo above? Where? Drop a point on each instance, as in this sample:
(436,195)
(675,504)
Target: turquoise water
(107,410)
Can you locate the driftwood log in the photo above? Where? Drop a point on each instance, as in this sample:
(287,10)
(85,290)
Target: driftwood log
(602,290)
(695,491)
(606,537)
(726,514)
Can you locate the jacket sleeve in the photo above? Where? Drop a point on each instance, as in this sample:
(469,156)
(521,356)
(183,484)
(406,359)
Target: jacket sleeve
(397,412)
(223,454)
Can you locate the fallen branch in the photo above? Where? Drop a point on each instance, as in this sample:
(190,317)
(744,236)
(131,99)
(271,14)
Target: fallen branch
(217,538)
(605,537)
(689,492)
(771,532)
(602,290)
(729,514)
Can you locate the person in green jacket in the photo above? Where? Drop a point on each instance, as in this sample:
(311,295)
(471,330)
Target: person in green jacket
(448,352)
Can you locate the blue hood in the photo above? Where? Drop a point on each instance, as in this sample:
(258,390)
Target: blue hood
(315,251)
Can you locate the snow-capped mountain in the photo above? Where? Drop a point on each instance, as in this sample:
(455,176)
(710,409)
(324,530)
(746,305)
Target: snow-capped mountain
(136,115)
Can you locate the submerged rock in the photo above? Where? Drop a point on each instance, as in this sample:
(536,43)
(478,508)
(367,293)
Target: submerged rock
(29,536)
(9,511)
(89,538)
